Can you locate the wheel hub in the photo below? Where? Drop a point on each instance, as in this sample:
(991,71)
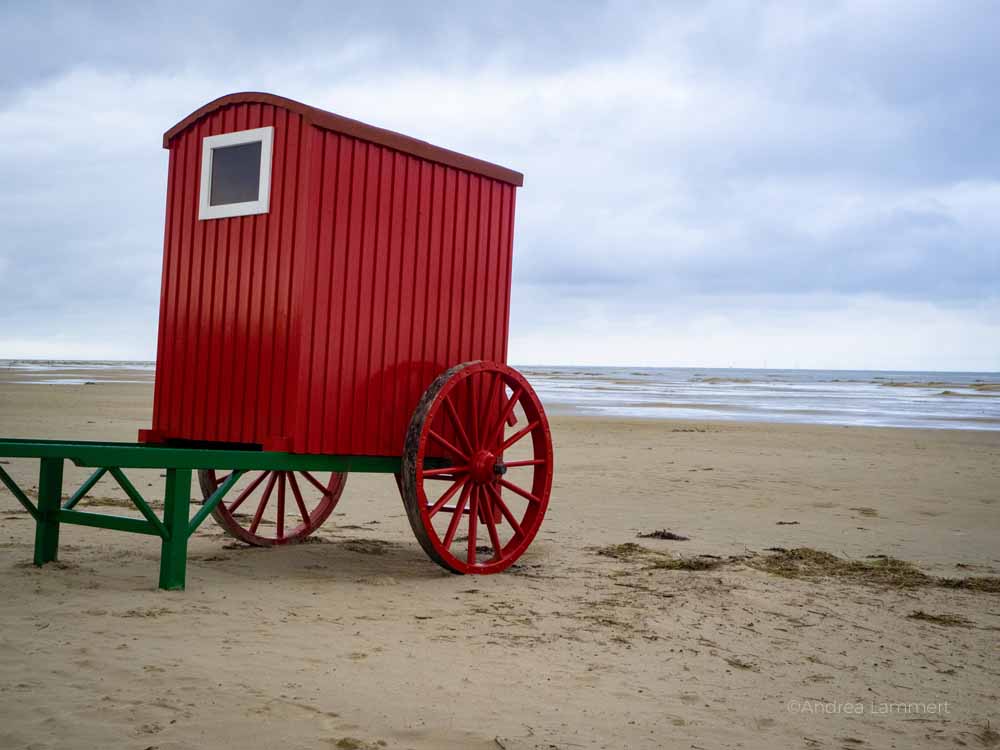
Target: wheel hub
(486,467)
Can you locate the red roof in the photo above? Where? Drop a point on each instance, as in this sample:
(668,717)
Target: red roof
(338,124)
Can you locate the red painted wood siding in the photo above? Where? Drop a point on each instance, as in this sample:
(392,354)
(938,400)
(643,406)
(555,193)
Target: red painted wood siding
(324,320)
(223,354)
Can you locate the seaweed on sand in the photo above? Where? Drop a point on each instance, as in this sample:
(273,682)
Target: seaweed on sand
(631,552)
(688,563)
(805,562)
(664,534)
(941,619)
(982,584)
(626,551)
(882,570)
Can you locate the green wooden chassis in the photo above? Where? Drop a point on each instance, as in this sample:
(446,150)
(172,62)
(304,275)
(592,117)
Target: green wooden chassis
(176,526)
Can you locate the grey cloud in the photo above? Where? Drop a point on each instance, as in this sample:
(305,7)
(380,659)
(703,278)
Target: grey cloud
(155,37)
(718,151)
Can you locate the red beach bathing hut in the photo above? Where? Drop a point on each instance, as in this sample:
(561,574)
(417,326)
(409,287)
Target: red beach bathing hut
(338,295)
(318,274)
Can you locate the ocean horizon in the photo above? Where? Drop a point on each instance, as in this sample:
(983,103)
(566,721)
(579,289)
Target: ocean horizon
(874,398)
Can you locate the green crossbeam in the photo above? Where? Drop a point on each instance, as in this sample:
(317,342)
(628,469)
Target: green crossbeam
(18,494)
(216,498)
(106,521)
(85,488)
(175,527)
(139,501)
(135,456)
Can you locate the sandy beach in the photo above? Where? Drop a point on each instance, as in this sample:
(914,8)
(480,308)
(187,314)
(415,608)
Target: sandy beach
(359,641)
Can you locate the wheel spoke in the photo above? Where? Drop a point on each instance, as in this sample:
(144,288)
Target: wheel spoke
(263,503)
(505,510)
(459,483)
(448,445)
(473,520)
(281,505)
(223,478)
(453,526)
(491,524)
(315,482)
(518,435)
(248,491)
(532,462)
(523,493)
(497,432)
(298,497)
(457,423)
(284,526)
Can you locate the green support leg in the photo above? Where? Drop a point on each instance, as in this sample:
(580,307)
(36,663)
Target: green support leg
(173,554)
(50,477)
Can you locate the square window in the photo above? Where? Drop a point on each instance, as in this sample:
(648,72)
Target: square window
(236,174)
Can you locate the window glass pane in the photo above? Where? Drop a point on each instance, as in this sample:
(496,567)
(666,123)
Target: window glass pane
(235,174)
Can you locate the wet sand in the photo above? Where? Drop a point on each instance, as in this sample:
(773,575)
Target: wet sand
(365,644)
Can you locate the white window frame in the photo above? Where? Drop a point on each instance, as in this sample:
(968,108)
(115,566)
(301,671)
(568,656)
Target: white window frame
(246,208)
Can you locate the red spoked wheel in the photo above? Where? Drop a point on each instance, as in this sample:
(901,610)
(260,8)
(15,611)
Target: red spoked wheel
(299,502)
(477,468)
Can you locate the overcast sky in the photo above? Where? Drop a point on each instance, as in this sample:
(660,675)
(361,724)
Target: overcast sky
(706,183)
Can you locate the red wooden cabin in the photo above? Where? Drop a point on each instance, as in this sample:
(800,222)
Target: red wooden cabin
(335,289)
(318,274)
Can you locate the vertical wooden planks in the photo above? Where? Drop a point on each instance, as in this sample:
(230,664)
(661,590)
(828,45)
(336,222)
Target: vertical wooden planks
(325,319)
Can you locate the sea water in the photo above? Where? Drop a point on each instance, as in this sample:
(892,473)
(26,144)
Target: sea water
(960,400)
(957,400)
